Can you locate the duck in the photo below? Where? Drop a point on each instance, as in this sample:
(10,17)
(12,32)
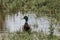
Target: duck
(26,26)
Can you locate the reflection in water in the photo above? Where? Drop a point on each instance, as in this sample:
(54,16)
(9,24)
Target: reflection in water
(15,23)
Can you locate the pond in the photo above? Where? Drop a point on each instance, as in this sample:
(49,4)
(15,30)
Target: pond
(15,23)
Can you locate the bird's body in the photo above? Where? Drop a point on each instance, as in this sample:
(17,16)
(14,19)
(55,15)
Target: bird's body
(26,26)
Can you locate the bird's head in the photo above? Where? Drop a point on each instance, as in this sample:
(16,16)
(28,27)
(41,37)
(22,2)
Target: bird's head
(26,18)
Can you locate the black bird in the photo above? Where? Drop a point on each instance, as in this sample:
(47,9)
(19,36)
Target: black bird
(26,26)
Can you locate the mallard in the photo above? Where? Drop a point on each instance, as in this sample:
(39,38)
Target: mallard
(26,26)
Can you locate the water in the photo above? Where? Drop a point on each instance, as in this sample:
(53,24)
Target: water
(16,22)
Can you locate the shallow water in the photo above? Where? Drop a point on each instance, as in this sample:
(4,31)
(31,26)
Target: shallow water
(16,22)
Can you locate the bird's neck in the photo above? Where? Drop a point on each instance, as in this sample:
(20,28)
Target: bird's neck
(26,22)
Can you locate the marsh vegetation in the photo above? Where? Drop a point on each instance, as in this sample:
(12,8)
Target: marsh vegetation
(9,18)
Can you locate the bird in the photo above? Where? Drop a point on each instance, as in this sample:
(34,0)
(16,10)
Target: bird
(26,26)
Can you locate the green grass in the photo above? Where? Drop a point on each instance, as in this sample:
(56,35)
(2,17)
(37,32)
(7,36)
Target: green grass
(32,36)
